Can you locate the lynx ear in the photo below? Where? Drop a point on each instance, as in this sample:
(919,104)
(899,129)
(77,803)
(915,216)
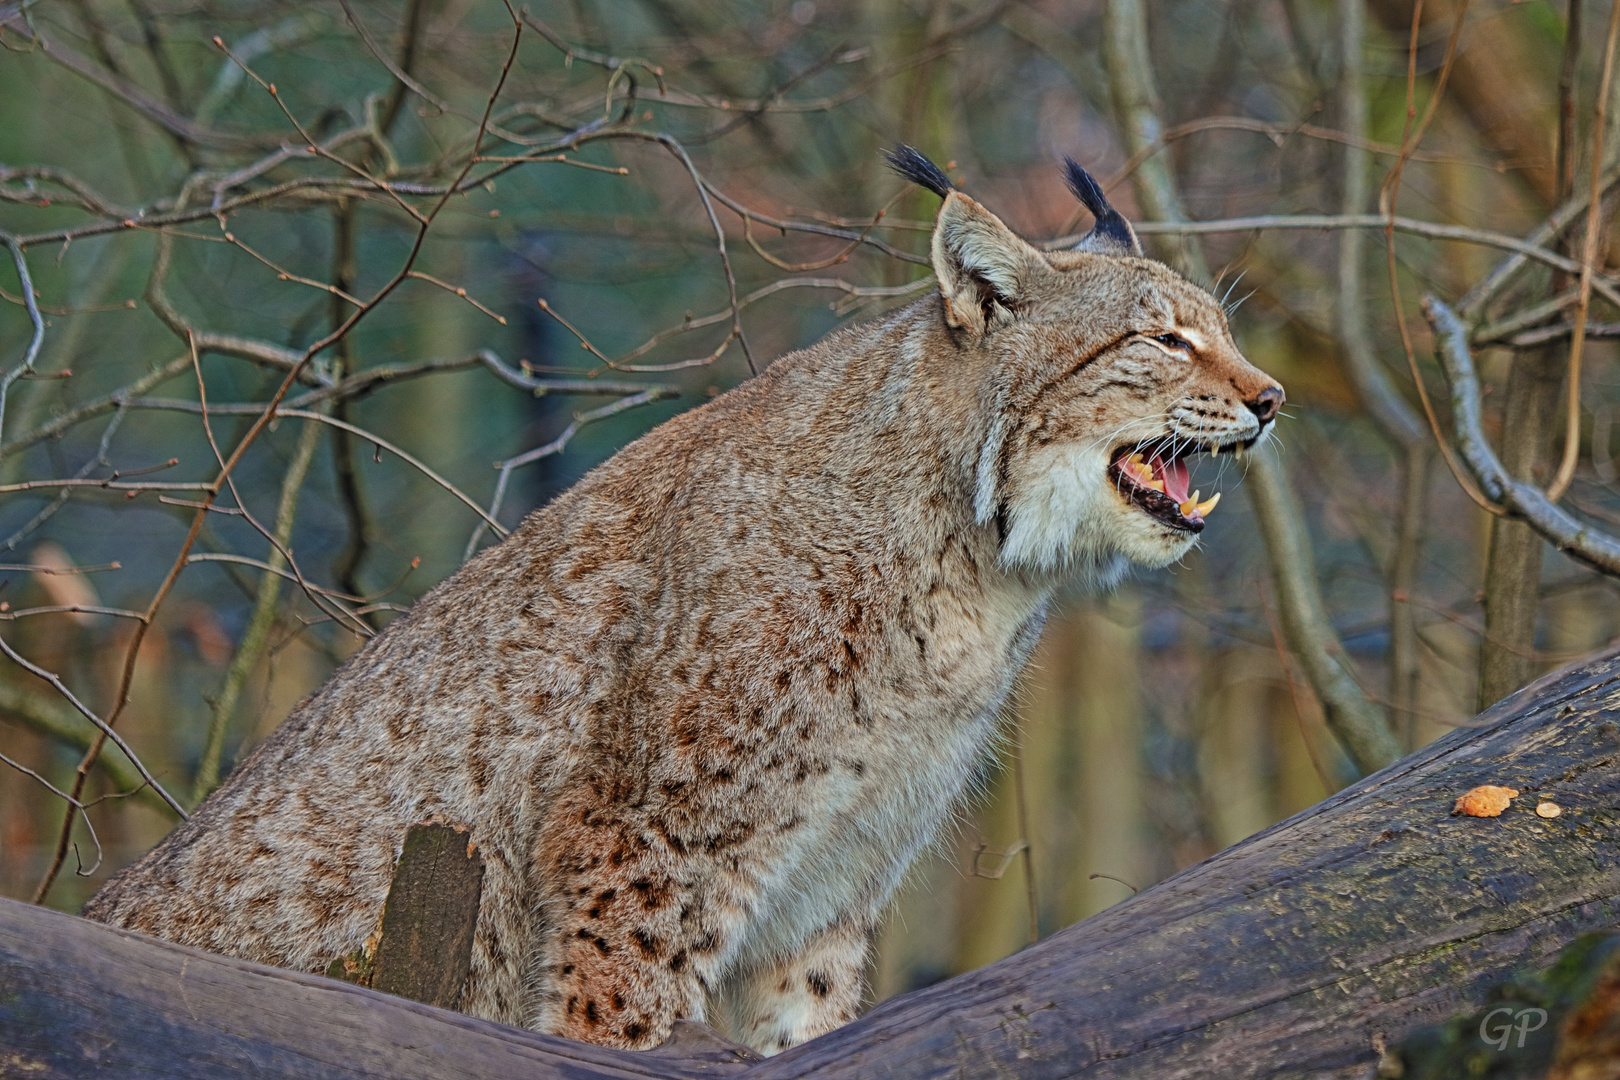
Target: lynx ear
(984,268)
(1112,234)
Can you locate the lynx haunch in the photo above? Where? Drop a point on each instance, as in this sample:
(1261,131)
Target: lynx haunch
(702,710)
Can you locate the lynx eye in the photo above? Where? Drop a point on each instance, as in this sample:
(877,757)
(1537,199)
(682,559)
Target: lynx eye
(1173,341)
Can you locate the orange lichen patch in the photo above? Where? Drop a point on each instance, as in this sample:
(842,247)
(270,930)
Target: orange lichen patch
(1487,800)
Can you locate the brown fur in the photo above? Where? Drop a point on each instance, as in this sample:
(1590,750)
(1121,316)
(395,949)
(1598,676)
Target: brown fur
(702,710)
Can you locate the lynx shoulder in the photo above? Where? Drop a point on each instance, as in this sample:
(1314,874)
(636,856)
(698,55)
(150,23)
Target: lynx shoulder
(702,710)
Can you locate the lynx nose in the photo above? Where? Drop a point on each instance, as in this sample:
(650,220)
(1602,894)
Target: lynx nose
(1266,405)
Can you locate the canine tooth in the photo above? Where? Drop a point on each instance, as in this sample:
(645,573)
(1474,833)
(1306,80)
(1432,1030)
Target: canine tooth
(1189,506)
(1206,506)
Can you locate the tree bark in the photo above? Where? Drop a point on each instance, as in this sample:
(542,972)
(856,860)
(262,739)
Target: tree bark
(1293,953)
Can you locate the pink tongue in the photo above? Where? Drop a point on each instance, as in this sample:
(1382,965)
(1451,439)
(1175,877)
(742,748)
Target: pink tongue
(1176,480)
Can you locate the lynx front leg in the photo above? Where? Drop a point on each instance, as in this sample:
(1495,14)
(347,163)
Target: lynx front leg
(818,988)
(625,955)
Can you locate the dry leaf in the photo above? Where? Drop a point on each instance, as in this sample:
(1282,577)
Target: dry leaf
(1487,800)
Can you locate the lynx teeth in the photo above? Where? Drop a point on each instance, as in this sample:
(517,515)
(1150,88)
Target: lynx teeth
(1193,506)
(1142,473)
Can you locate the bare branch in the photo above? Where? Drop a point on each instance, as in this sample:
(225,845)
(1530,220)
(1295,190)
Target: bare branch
(11,17)
(1431,229)
(410,459)
(1569,535)
(45,717)
(102,726)
(106,485)
(555,446)
(1548,232)
(35,340)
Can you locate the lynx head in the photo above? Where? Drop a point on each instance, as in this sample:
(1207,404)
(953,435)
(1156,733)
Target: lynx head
(1103,373)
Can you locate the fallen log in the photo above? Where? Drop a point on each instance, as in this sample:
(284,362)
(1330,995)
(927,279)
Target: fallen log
(1305,948)
(1301,951)
(1558,1024)
(80,999)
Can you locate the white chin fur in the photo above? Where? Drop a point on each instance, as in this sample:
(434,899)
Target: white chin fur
(1064,517)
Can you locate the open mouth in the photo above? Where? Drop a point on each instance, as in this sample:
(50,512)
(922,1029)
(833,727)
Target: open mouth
(1154,477)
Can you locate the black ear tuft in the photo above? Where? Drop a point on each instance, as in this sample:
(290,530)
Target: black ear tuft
(910,163)
(1111,233)
(1087,190)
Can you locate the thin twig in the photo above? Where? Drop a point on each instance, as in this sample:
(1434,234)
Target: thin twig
(458,291)
(103,726)
(410,459)
(1020,796)
(1432,229)
(35,340)
(555,446)
(251,645)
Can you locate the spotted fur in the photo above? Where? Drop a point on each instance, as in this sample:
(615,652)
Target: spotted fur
(702,710)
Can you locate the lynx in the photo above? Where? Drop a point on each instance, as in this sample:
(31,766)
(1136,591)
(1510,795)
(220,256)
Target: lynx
(701,711)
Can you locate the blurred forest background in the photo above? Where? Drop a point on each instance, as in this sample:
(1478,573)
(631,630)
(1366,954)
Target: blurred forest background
(468,252)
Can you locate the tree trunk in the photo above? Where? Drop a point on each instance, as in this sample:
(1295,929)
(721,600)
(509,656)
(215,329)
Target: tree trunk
(1292,953)
(1535,392)
(1513,116)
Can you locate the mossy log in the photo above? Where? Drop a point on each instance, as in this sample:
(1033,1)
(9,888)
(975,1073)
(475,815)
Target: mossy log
(1558,1024)
(1299,952)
